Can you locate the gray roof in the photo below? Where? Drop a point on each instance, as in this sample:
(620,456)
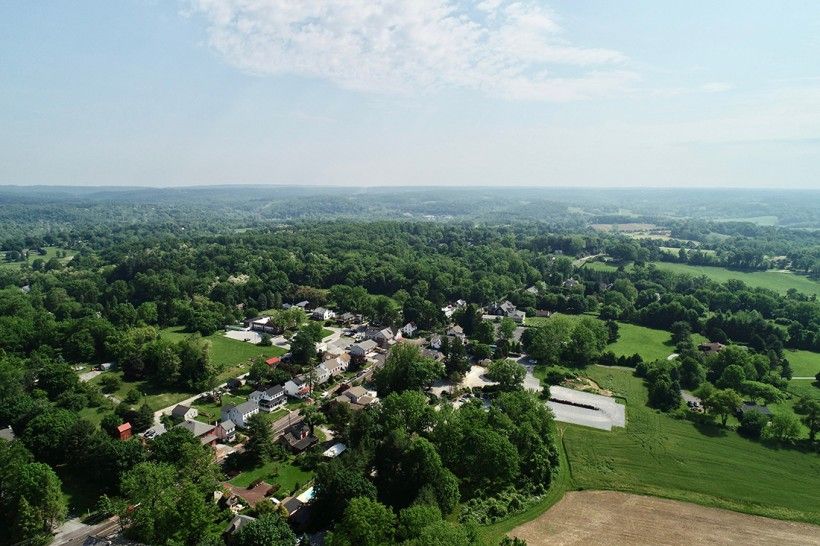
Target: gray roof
(367,345)
(247,407)
(7,434)
(227,425)
(197,428)
(238,522)
(180,410)
(276,390)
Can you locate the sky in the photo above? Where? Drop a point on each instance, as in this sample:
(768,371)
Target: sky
(645,93)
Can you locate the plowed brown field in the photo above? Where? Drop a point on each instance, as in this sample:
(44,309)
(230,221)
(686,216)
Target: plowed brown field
(608,517)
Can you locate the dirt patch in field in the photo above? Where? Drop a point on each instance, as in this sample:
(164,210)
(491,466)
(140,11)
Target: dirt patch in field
(587,385)
(608,517)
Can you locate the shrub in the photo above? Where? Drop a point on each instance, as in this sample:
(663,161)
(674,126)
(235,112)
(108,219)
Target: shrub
(752,424)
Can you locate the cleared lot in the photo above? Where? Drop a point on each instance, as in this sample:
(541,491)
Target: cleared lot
(607,412)
(608,517)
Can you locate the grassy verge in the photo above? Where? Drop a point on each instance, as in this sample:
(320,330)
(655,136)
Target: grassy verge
(661,456)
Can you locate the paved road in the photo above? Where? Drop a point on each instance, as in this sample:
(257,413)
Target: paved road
(88,376)
(282,423)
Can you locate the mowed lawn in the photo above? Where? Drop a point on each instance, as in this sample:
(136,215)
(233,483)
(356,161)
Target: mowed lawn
(233,356)
(658,455)
(287,475)
(803,363)
(650,343)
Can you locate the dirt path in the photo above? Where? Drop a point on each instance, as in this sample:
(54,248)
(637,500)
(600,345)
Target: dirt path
(612,518)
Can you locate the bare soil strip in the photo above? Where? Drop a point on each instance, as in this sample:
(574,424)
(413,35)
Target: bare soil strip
(609,517)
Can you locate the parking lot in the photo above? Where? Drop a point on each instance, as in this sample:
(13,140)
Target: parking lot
(601,412)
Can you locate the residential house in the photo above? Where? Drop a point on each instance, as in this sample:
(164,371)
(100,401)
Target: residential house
(337,364)
(532,290)
(518,316)
(264,325)
(347,318)
(226,431)
(270,399)
(298,438)
(292,505)
(303,305)
(383,337)
(507,309)
(457,331)
(409,329)
(297,388)
(448,311)
(203,432)
(320,374)
(713,347)
(363,348)
(320,313)
(238,522)
(435,355)
(124,431)
(357,397)
(241,413)
(435,342)
(183,413)
(571,283)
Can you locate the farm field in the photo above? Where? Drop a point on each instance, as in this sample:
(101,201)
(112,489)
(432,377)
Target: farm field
(665,457)
(650,343)
(609,517)
(773,280)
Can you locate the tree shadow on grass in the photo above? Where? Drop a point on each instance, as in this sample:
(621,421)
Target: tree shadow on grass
(710,429)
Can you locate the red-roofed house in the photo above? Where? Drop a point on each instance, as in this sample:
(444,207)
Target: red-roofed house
(273,361)
(124,431)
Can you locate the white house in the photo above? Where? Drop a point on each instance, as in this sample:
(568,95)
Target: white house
(321,374)
(409,329)
(241,413)
(297,388)
(269,399)
(320,313)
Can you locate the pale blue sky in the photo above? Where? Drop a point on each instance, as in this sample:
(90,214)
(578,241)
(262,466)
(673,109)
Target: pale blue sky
(428,92)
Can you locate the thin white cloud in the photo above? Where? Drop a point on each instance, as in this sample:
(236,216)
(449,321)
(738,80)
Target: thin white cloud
(512,49)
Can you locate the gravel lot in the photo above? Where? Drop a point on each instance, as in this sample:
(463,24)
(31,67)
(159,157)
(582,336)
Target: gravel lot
(609,412)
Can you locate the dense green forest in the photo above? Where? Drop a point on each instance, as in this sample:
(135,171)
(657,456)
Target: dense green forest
(96,275)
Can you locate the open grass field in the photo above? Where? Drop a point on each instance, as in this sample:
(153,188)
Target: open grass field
(651,344)
(233,356)
(609,517)
(661,456)
(803,363)
(51,252)
(287,475)
(773,280)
